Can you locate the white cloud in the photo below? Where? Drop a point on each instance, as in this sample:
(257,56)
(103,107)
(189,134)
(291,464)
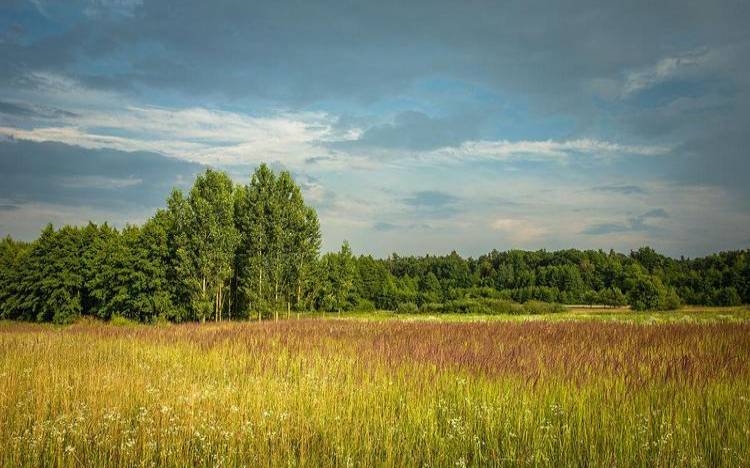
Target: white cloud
(99,182)
(98,119)
(195,134)
(101,119)
(543,150)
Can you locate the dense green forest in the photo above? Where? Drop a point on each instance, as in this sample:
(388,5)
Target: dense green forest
(227,251)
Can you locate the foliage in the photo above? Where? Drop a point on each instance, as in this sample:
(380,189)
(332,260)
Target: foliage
(278,247)
(195,260)
(242,251)
(407,308)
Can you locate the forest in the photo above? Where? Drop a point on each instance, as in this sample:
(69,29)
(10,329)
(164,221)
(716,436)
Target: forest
(231,251)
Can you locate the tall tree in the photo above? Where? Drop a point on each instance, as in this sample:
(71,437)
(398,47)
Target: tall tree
(204,239)
(253,210)
(340,272)
(279,243)
(212,237)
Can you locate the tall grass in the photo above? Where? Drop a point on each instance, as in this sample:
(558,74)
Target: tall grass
(344,392)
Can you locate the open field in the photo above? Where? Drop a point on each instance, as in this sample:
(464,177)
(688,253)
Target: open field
(697,314)
(380,392)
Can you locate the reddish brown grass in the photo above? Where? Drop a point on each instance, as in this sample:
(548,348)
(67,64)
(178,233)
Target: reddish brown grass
(574,351)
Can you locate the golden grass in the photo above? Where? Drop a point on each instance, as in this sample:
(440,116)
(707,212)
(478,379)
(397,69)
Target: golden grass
(345,392)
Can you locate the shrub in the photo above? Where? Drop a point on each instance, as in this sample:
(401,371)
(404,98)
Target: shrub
(407,308)
(538,307)
(432,308)
(726,297)
(612,297)
(648,293)
(364,305)
(465,306)
(502,306)
(644,293)
(121,321)
(485,306)
(669,300)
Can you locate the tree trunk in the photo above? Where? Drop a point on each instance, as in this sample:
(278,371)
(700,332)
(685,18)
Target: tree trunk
(276,292)
(299,292)
(260,292)
(276,296)
(203,298)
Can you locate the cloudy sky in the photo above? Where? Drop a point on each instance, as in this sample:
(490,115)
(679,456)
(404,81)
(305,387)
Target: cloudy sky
(414,127)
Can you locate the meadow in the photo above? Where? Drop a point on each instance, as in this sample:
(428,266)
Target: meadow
(580,388)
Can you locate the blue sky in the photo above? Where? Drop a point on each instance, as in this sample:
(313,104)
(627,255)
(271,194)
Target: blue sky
(413,127)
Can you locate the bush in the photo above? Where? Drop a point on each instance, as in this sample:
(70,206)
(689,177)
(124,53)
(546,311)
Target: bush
(432,308)
(482,306)
(364,305)
(121,321)
(648,293)
(644,293)
(538,307)
(669,300)
(67,307)
(726,297)
(466,306)
(407,308)
(612,297)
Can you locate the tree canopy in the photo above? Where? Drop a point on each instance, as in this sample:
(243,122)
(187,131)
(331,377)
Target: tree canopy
(227,250)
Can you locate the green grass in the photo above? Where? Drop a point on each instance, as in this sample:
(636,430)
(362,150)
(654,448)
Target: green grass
(685,314)
(579,388)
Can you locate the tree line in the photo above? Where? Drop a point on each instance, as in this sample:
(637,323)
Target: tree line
(220,251)
(232,251)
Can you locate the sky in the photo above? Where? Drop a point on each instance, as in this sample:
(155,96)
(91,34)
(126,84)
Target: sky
(412,127)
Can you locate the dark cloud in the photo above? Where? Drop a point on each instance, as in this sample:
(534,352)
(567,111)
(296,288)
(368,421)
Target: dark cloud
(433,203)
(415,131)
(384,227)
(668,73)
(622,189)
(389,227)
(70,175)
(317,159)
(315,50)
(11,34)
(25,110)
(430,199)
(573,60)
(13,109)
(635,224)
(605,228)
(655,213)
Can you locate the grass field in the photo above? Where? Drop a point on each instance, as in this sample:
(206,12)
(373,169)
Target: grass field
(683,315)
(581,388)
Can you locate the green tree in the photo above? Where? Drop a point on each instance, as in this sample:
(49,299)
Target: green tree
(203,239)
(339,271)
(279,243)
(612,297)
